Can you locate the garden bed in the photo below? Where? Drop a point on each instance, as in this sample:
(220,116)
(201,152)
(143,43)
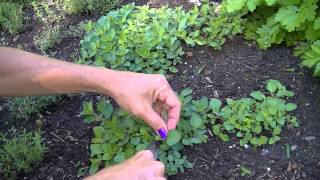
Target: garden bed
(233,72)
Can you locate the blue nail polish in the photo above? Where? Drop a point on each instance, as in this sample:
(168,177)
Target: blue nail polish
(162,133)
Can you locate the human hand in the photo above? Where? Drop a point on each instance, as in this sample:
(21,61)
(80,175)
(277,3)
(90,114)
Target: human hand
(145,96)
(140,166)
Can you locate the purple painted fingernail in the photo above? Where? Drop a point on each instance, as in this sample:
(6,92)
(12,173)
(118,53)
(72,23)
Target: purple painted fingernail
(162,133)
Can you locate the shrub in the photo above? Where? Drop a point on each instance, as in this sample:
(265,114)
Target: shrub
(11,17)
(79,6)
(24,107)
(139,38)
(47,38)
(19,152)
(276,21)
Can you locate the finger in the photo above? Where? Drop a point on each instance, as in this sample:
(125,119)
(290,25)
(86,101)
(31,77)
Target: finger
(155,121)
(160,169)
(144,155)
(171,100)
(157,178)
(158,107)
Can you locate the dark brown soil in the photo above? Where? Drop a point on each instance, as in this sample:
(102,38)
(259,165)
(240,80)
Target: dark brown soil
(239,68)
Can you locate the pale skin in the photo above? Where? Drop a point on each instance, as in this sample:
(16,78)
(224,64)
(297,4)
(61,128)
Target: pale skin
(145,96)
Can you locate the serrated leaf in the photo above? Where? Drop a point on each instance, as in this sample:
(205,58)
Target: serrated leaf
(252,4)
(235,5)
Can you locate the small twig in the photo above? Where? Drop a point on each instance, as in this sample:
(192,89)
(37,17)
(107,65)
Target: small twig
(202,159)
(57,136)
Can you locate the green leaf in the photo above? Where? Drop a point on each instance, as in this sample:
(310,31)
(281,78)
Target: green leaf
(257,129)
(105,108)
(276,131)
(274,139)
(95,149)
(252,4)
(98,131)
(174,137)
(257,95)
(224,137)
(290,107)
(215,105)
(216,129)
(186,92)
(272,85)
(87,108)
(141,147)
(93,169)
(196,120)
(120,157)
(235,5)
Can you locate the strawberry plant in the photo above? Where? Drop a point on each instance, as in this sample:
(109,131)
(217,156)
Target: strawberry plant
(139,38)
(257,120)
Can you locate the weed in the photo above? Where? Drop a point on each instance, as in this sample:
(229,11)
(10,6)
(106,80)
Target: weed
(11,17)
(19,152)
(24,107)
(47,38)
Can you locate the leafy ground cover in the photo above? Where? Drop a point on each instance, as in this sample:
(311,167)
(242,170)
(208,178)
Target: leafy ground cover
(235,71)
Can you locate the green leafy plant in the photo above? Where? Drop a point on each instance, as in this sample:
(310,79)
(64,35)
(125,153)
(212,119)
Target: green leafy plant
(257,120)
(24,107)
(276,21)
(19,152)
(139,38)
(47,38)
(11,17)
(310,55)
(244,171)
(121,135)
(79,6)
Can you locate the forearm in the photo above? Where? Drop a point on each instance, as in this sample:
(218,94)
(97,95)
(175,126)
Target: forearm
(23,73)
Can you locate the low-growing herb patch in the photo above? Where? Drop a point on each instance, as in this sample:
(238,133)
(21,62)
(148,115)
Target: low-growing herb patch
(257,120)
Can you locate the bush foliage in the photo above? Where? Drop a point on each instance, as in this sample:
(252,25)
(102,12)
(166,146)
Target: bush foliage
(143,39)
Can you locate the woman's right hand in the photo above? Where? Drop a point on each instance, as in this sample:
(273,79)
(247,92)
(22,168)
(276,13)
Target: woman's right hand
(141,166)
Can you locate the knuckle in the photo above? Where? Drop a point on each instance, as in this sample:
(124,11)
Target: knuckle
(147,154)
(138,111)
(161,78)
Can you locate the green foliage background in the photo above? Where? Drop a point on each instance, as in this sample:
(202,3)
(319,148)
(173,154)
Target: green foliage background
(143,39)
(291,22)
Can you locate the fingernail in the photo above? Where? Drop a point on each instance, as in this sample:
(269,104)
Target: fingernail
(162,133)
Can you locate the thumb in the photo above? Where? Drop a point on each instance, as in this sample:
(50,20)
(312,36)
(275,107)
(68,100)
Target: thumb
(154,120)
